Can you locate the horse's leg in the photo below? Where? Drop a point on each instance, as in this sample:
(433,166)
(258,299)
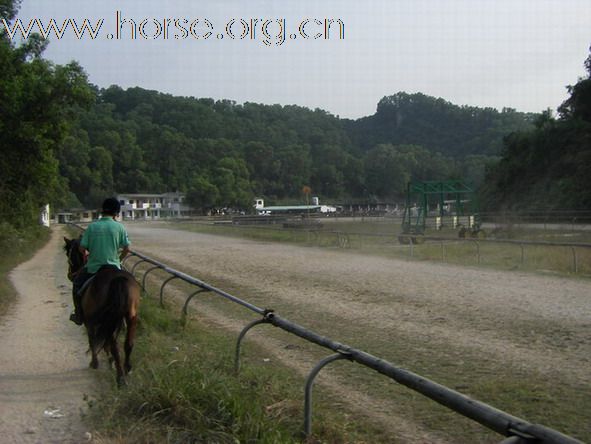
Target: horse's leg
(129,340)
(117,361)
(91,343)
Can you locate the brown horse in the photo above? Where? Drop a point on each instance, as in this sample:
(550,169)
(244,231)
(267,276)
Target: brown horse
(109,300)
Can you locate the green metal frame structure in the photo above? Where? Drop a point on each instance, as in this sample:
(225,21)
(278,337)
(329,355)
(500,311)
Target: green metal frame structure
(419,193)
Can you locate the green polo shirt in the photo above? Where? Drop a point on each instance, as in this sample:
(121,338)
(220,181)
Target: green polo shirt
(104,239)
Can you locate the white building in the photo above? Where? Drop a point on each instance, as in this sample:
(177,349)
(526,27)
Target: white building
(294,209)
(76,215)
(152,206)
(44,216)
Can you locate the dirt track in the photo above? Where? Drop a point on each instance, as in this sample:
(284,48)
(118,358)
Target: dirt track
(534,324)
(44,372)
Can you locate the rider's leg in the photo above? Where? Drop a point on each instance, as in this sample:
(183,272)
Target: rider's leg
(77,284)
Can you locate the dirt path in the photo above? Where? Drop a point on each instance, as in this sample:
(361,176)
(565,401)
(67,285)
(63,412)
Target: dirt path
(44,371)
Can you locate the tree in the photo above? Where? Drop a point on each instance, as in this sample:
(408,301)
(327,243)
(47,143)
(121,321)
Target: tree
(8,8)
(202,193)
(550,165)
(38,100)
(385,171)
(578,105)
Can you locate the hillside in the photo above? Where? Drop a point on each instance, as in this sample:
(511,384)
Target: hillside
(437,125)
(223,153)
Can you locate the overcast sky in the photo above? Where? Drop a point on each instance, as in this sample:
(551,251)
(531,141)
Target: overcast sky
(498,53)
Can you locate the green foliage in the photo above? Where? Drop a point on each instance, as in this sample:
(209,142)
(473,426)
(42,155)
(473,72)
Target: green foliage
(223,154)
(38,100)
(8,8)
(548,166)
(455,131)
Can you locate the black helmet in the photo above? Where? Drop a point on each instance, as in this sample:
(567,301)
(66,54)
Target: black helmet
(111,206)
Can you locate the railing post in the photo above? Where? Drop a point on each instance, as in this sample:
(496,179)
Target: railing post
(155,267)
(241,336)
(575,262)
(126,258)
(136,264)
(195,293)
(162,289)
(308,389)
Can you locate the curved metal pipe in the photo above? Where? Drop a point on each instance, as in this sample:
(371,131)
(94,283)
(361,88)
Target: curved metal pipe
(241,336)
(310,383)
(162,289)
(126,258)
(195,293)
(155,267)
(136,264)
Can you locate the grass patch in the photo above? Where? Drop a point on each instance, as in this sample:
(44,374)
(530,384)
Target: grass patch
(16,246)
(184,390)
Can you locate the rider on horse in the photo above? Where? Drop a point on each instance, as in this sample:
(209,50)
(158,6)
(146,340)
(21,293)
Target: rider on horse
(106,243)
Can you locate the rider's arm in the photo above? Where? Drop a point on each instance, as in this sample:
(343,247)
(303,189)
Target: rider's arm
(124,252)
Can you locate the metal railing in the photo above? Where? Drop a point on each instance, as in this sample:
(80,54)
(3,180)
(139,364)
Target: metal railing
(517,430)
(350,239)
(521,243)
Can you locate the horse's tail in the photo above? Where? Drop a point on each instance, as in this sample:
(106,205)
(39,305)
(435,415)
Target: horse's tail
(111,316)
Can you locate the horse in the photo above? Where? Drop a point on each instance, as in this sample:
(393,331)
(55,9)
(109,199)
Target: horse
(109,300)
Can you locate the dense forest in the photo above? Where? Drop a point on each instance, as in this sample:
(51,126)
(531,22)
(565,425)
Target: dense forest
(456,131)
(66,142)
(223,154)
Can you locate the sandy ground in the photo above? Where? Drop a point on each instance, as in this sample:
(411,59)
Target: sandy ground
(44,372)
(527,322)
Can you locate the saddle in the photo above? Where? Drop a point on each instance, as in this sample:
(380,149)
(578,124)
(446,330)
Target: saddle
(85,285)
(91,278)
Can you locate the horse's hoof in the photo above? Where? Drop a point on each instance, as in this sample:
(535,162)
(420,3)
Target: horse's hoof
(94,364)
(121,382)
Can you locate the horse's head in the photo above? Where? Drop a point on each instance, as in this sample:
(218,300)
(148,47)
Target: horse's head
(74,255)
